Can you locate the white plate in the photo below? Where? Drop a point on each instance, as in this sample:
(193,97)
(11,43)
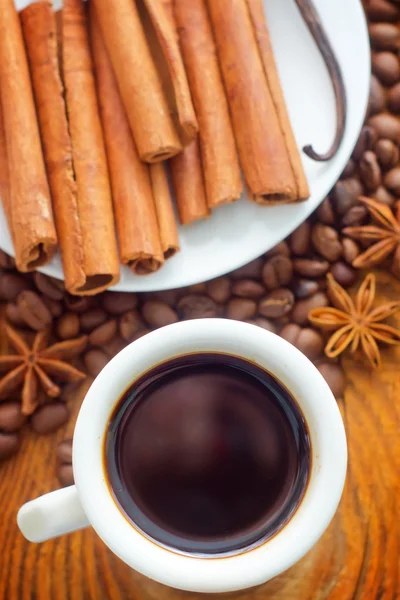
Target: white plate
(237,234)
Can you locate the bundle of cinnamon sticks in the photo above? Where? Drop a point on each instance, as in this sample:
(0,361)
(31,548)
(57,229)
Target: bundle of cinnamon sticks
(101,101)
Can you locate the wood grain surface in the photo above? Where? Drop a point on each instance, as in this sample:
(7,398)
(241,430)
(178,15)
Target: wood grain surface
(357,558)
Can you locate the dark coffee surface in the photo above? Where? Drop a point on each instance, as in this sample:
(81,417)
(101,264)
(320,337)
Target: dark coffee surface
(208,453)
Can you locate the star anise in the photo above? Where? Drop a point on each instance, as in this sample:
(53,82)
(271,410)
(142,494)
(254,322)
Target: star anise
(385,236)
(34,367)
(355,323)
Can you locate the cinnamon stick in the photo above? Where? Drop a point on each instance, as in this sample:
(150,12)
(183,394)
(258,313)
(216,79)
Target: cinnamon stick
(4,176)
(39,29)
(138,233)
(33,226)
(188,183)
(217,142)
(139,83)
(267,149)
(164,209)
(88,151)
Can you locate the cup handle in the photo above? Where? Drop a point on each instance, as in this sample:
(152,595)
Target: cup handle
(52,515)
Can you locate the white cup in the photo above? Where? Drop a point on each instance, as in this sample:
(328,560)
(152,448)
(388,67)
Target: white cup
(89,501)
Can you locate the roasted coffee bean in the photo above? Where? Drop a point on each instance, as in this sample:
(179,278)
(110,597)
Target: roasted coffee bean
(325,213)
(384,36)
(394,98)
(355,216)
(158,314)
(14,316)
(277,304)
(384,196)
(140,334)
(326,242)
(281,248)
(303,307)
(115,345)
(392,181)
(377,98)
(310,267)
(103,333)
(345,194)
(387,154)
(92,318)
(344,274)
(197,288)
(65,475)
(350,250)
(56,308)
(11,285)
(277,272)
(67,326)
(299,241)
(241,309)
(370,171)
(33,310)
(49,417)
(170,297)
(129,324)
(197,307)
(382,10)
(220,290)
(248,288)
(117,303)
(11,417)
(6,261)
(304,288)
(251,270)
(386,66)
(366,141)
(9,444)
(79,304)
(349,169)
(387,126)
(307,340)
(64,451)
(263,323)
(52,288)
(95,360)
(334,376)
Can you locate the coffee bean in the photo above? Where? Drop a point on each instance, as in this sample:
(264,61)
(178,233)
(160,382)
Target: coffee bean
(11,417)
(299,241)
(263,323)
(197,288)
(95,360)
(103,333)
(197,307)
(55,308)
(114,346)
(13,315)
(325,213)
(326,242)
(67,326)
(349,169)
(9,444)
(382,10)
(277,304)
(170,297)
(387,154)
(370,171)
(345,194)
(64,451)
(158,314)
(117,303)
(92,318)
(251,270)
(281,248)
(310,267)
(387,126)
(140,334)
(344,274)
(277,272)
(79,304)
(384,36)
(65,475)
(384,196)
(11,285)
(129,324)
(307,340)
(241,309)
(52,288)
(220,290)
(355,216)
(290,333)
(392,181)
(6,261)
(304,288)
(334,376)
(49,417)
(366,141)
(303,307)
(350,250)
(386,66)
(377,97)
(33,310)
(248,288)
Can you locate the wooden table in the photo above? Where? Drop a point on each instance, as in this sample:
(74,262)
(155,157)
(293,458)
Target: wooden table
(357,558)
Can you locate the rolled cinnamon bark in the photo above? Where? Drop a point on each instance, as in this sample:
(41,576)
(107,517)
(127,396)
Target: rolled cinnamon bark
(267,150)
(138,233)
(139,83)
(4,176)
(217,143)
(34,232)
(89,158)
(188,183)
(165,210)
(39,29)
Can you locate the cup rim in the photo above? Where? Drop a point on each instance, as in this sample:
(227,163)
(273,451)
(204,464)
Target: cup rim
(328,469)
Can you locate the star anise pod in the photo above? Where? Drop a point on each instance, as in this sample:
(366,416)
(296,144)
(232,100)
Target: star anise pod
(355,323)
(384,235)
(34,367)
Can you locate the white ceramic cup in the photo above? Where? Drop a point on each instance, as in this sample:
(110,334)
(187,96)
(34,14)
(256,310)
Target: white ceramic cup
(90,502)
